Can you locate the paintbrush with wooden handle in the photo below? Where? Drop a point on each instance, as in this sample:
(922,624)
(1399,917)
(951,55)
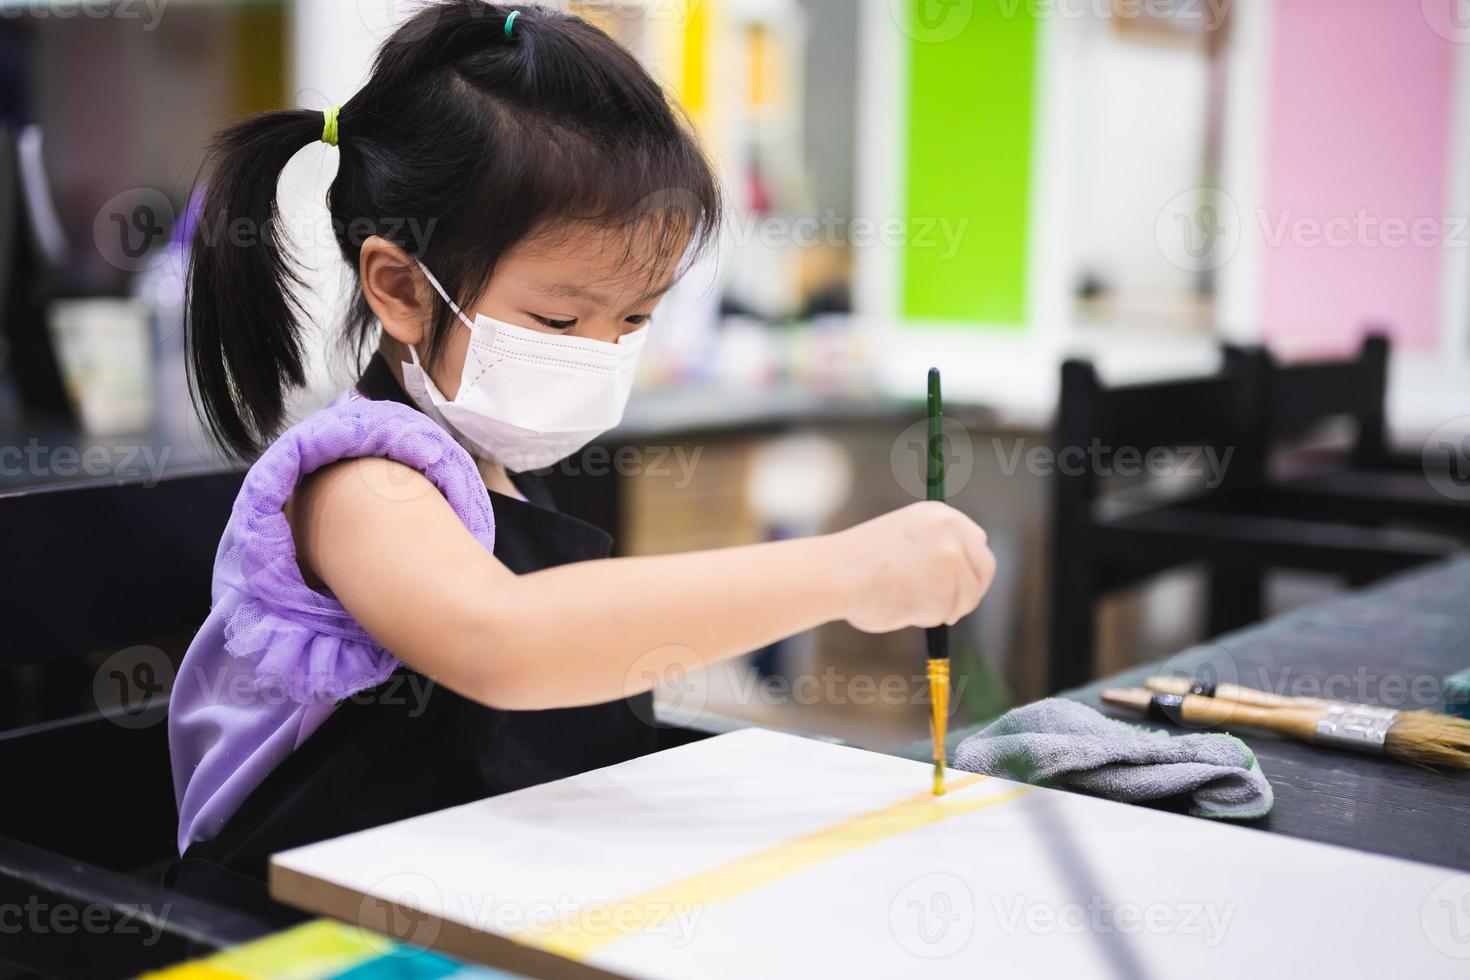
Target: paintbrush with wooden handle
(1161,684)
(1414,736)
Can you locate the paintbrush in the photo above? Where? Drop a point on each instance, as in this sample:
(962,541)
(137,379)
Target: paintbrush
(936,638)
(1251,695)
(1161,684)
(1414,736)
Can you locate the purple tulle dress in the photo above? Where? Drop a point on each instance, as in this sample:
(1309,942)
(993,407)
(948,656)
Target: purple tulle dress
(275,657)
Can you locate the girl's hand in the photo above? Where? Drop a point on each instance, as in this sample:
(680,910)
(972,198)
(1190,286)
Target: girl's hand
(923,565)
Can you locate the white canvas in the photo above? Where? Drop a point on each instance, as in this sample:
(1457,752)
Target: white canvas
(1023,879)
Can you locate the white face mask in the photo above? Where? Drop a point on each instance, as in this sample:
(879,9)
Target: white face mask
(528,399)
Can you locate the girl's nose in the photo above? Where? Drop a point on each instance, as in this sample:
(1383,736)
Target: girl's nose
(609,333)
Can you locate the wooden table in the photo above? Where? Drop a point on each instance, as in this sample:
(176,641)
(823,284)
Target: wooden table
(1391,644)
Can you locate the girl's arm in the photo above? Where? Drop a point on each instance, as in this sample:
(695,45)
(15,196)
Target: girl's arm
(390,548)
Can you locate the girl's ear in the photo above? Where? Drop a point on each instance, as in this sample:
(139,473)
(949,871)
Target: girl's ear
(391,284)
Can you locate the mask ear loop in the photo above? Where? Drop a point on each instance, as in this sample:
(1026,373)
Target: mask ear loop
(444,296)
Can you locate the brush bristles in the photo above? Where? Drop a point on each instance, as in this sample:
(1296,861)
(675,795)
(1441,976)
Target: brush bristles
(1430,739)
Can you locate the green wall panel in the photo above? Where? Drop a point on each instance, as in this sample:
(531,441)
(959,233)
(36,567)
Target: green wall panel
(969,160)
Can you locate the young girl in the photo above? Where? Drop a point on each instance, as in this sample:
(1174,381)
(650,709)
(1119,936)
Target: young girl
(401,621)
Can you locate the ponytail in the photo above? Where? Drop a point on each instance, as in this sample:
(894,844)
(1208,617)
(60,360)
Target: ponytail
(244,317)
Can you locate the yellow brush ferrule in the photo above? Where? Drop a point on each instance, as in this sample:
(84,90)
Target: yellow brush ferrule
(938,717)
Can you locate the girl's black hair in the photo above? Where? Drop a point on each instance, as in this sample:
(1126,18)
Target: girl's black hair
(465,140)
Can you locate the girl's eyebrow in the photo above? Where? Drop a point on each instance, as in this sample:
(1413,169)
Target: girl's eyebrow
(578,291)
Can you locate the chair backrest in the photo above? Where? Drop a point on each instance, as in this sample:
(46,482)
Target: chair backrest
(1219,412)
(102,566)
(1303,395)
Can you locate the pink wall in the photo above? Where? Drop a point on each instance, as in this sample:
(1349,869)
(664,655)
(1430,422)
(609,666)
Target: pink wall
(1361,97)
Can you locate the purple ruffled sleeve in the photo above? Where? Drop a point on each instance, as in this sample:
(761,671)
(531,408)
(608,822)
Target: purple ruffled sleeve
(275,656)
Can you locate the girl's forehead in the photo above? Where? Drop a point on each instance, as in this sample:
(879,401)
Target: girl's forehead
(617,259)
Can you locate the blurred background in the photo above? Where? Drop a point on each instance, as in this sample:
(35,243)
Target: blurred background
(986,186)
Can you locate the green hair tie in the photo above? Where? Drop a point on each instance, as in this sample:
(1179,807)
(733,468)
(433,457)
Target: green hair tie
(329,125)
(511,21)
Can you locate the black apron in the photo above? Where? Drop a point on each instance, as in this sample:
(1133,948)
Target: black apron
(408,746)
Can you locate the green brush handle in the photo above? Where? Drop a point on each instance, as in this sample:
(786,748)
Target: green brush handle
(936,638)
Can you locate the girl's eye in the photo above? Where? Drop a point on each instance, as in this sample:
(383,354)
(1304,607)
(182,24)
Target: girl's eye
(554,324)
(638,319)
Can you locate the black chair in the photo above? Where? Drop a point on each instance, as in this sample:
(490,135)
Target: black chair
(89,820)
(1238,528)
(1366,482)
(89,817)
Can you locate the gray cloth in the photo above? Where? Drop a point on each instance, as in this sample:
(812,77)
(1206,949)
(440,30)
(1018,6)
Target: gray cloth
(1067,744)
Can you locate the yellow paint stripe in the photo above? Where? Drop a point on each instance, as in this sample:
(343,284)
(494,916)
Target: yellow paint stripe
(579,935)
